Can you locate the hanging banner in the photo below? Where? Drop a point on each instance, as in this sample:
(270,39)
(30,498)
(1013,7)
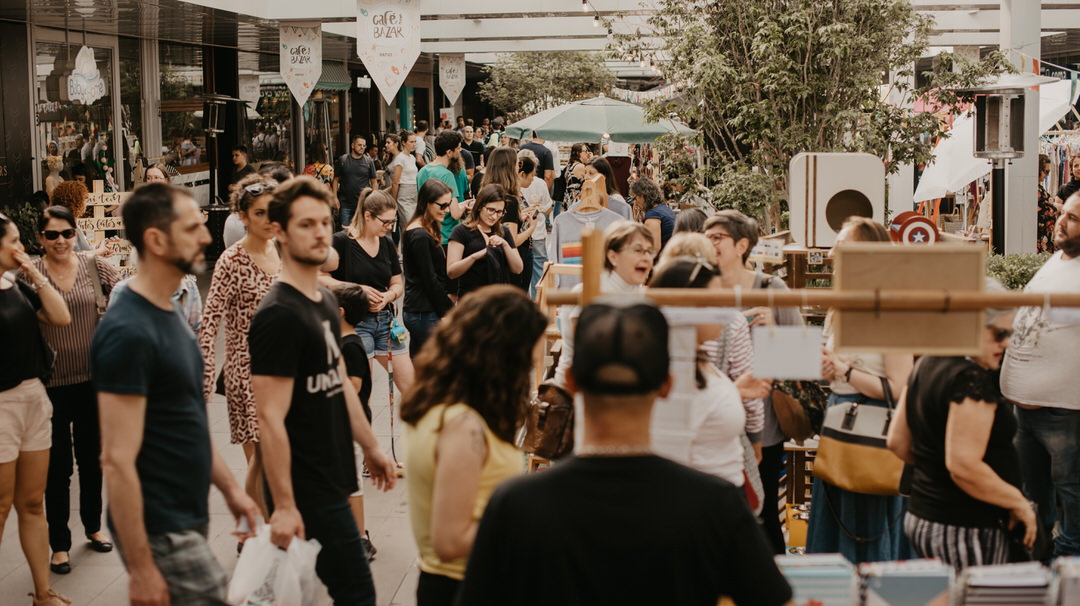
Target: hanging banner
(388,41)
(301,58)
(452,75)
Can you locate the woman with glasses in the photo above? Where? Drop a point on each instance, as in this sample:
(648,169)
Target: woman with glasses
(25,410)
(77,277)
(863,527)
(427,295)
(481,250)
(954,426)
(629,251)
(243,275)
(502,170)
(367,256)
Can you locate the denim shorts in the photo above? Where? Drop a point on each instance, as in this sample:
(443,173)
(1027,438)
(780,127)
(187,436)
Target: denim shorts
(374,333)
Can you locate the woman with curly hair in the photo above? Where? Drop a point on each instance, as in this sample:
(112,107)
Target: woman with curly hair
(460,431)
(72,195)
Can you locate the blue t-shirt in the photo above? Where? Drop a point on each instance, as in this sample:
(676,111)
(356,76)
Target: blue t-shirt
(141,349)
(666,216)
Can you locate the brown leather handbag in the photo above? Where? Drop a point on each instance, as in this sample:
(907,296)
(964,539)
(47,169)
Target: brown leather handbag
(549,423)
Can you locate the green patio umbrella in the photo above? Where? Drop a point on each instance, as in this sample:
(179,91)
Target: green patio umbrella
(589,120)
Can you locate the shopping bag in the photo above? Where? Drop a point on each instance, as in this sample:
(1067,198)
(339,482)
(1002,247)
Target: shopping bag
(267,575)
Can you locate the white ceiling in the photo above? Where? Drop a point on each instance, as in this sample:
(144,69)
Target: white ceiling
(482,28)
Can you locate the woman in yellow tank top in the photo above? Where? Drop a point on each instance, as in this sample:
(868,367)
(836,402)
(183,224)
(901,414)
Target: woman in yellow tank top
(461,415)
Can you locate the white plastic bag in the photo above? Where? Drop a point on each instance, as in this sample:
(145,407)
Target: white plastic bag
(266,575)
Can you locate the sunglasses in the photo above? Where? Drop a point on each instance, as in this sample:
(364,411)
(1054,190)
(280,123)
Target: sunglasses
(52,235)
(1001,334)
(442,206)
(258,189)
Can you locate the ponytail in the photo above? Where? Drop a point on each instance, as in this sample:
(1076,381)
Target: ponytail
(373,201)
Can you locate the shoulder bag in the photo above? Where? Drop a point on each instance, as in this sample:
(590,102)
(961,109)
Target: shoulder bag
(549,423)
(99,293)
(852,453)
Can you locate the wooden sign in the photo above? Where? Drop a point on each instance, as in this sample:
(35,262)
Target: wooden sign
(868,266)
(104,226)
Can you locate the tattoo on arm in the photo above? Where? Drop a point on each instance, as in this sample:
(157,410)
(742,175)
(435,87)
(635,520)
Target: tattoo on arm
(476,437)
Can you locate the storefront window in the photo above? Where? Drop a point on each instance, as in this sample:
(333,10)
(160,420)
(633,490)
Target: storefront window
(74,113)
(183,142)
(131,107)
(268,108)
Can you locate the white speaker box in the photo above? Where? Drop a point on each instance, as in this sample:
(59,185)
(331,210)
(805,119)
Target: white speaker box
(824,189)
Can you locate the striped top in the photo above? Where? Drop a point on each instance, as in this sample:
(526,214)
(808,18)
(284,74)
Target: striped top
(72,342)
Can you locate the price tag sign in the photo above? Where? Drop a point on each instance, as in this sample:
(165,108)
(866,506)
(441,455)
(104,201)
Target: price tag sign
(787,352)
(815,257)
(768,251)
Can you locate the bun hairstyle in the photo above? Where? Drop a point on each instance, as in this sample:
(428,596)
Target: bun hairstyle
(373,202)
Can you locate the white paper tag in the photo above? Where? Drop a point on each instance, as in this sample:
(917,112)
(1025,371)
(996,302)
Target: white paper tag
(787,352)
(768,251)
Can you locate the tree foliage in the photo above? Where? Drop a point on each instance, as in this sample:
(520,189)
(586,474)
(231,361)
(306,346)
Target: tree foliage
(765,80)
(522,84)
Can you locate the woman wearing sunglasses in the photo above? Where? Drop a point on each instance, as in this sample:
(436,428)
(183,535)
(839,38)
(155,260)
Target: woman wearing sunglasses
(25,410)
(426,286)
(367,256)
(481,250)
(243,275)
(956,429)
(76,276)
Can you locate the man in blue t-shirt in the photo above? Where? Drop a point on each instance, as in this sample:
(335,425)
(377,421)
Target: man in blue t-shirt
(447,148)
(155,441)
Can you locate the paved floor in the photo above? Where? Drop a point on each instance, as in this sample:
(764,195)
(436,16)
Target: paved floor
(99,579)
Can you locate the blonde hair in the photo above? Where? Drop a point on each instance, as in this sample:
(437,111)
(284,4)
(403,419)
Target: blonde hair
(688,244)
(372,201)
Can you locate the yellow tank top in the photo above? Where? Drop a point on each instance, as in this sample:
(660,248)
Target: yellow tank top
(503,461)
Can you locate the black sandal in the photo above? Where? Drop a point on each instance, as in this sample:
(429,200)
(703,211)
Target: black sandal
(100,546)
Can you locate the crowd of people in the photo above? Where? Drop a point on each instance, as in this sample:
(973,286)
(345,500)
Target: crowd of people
(428,260)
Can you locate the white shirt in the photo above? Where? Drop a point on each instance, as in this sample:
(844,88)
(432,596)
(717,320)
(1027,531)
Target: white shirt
(718,422)
(536,195)
(421,147)
(1040,366)
(408,168)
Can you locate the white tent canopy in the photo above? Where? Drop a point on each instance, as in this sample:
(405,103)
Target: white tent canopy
(954,166)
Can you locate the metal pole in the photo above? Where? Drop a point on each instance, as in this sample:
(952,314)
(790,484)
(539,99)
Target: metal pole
(997,224)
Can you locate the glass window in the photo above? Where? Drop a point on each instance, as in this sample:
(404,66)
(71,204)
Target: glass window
(268,110)
(131,106)
(77,136)
(183,142)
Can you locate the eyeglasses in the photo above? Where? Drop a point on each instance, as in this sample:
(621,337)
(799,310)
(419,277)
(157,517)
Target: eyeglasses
(386,223)
(52,235)
(717,238)
(641,250)
(496,213)
(443,206)
(1001,334)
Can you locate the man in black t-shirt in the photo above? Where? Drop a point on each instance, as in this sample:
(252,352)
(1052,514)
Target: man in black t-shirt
(580,522)
(308,419)
(546,170)
(472,145)
(147,368)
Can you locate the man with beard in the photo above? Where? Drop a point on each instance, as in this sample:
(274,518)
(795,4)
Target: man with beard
(1040,374)
(307,420)
(156,451)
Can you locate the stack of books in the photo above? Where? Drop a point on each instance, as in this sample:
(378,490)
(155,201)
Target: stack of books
(1025,584)
(820,579)
(906,583)
(1068,572)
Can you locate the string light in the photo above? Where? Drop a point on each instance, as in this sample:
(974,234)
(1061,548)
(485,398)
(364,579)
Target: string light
(584,6)
(596,21)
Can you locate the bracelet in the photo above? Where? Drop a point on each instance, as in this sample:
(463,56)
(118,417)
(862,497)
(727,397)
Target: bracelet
(847,375)
(37,287)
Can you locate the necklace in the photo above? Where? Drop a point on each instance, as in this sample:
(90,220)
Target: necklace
(624,450)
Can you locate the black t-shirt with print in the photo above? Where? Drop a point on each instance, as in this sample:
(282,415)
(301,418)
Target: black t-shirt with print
(20,338)
(293,336)
(357,266)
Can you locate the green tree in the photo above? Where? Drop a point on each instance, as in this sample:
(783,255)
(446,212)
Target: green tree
(522,84)
(765,80)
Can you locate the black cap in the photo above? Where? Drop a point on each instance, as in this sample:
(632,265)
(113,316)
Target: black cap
(620,347)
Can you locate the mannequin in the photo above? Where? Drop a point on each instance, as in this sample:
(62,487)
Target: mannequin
(55,163)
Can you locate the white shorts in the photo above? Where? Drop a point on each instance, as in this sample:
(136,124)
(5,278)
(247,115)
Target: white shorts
(25,420)
(359,454)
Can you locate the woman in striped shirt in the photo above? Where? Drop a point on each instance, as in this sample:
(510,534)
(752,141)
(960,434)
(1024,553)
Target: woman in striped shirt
(75,414)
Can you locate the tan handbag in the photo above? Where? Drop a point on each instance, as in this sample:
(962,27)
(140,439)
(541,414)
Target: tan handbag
(852,453)
(549,423)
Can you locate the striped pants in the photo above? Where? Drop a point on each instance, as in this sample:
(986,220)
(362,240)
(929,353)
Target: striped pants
(958,546)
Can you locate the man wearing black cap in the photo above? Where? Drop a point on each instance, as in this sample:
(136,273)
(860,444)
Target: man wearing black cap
(581,526)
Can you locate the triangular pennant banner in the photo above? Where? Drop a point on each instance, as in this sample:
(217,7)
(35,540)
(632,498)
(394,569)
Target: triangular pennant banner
(301,58)
(388,41)
(452,75)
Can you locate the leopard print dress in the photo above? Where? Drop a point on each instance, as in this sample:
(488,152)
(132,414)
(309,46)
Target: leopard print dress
(237,288)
